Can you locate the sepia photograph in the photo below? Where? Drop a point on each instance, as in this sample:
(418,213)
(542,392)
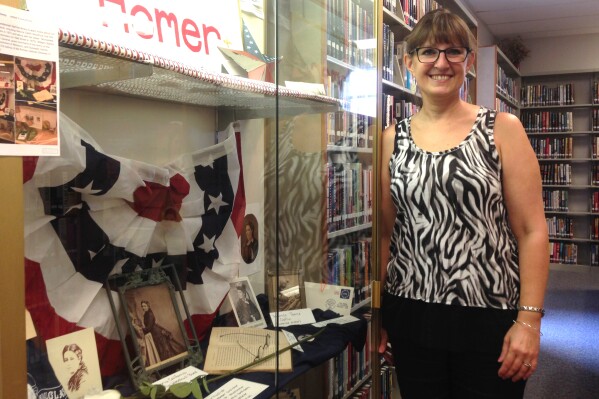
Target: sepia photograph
(288,289)
(245,305)
(158,332)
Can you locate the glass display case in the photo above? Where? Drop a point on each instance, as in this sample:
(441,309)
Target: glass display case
(230,188)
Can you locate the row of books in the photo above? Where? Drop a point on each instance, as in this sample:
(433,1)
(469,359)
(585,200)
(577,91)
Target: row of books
(388,53)
(349,266)
(465,91)
(547,121)
(560,227)
(349,194)
(507,85)
(563,252)
(555,200)
(349,129)
(397,110)
(552,147)
(556,173)
(503,106)
(594,234)
(399,73)
(595,201)
(594,255)
(348,369)
(595,92)
(413,10)
(540,94)
(595,174)
(595,122)
(348,24)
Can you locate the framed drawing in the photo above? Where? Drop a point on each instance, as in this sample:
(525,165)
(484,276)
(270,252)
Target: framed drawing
(155,341)
(288,289)
(244,304)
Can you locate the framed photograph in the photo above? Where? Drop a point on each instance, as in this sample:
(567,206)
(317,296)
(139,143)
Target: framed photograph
(244,304)
(155,341)
(288,289)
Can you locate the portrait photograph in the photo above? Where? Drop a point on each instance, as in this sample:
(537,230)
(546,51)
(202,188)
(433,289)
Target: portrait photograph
(244,304)
(74,359)
(287,289)
(249,239)
(158,331)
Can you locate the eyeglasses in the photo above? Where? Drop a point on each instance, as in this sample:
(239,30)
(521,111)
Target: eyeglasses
(260,351)
(430,55)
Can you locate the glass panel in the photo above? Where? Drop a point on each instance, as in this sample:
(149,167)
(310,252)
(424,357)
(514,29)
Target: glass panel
(186,199)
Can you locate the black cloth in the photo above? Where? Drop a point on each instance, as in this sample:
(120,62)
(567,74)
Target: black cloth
(41,380)
(448,351)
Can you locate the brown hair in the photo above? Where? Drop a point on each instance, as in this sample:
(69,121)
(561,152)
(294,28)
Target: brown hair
(440,26)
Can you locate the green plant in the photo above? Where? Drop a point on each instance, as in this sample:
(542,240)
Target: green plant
(514,49)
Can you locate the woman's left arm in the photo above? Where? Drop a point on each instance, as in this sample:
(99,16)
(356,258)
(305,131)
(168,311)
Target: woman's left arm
(522,190)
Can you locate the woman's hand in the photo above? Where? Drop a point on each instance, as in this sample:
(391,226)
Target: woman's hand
(520,352)
(383,341)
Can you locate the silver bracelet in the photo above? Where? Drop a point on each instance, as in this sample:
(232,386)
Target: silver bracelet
(529,326)
(532,309)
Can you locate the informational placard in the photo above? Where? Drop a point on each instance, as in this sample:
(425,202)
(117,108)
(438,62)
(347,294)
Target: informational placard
(238,389)
(188,31)
(293,317)
(29,84)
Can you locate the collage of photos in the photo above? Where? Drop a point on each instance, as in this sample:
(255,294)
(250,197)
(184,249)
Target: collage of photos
(28,111)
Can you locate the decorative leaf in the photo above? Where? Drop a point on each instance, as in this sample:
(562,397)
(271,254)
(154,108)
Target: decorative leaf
(205,383)
(196,390)
(181,390)
(145,388)
(153,391)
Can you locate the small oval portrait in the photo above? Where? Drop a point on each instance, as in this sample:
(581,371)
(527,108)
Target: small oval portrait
(249,238)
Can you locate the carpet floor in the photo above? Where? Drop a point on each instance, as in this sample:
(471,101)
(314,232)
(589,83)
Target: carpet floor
(569,359)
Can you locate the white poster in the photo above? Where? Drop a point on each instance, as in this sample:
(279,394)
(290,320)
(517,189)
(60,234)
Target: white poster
(28,84)
(187,31)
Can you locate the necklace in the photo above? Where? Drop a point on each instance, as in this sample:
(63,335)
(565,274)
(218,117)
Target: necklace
(30,75)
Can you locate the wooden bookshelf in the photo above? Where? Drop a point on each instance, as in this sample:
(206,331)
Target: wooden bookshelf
(559,113)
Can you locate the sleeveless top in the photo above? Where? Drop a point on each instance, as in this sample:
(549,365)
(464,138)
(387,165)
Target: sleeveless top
(451,242)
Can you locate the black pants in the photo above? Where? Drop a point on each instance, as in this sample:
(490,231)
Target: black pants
(448,352)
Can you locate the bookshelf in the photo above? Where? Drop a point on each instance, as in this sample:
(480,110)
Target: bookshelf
(560,113)
(498,81)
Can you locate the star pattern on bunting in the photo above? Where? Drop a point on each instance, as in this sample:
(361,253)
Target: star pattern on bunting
(208,244)
(216,202)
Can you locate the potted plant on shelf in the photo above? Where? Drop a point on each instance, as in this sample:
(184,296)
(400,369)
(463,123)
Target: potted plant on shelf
(514,49)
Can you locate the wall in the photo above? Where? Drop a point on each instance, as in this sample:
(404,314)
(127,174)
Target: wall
(574,53)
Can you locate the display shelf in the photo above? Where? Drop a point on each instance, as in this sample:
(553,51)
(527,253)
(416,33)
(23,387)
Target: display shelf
(147,77)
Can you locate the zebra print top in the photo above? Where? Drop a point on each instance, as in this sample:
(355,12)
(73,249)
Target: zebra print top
(451,241)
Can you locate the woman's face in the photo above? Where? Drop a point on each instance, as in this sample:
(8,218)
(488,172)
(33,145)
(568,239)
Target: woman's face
(248,232)
(71,362)
(440,78)
(144,306)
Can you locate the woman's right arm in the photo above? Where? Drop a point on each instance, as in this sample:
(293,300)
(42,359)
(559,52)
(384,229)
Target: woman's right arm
(387,215)
(387,209)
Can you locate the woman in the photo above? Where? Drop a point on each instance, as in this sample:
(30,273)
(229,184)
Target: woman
(147,348)
(165,343)
(72,356)
(464,239)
